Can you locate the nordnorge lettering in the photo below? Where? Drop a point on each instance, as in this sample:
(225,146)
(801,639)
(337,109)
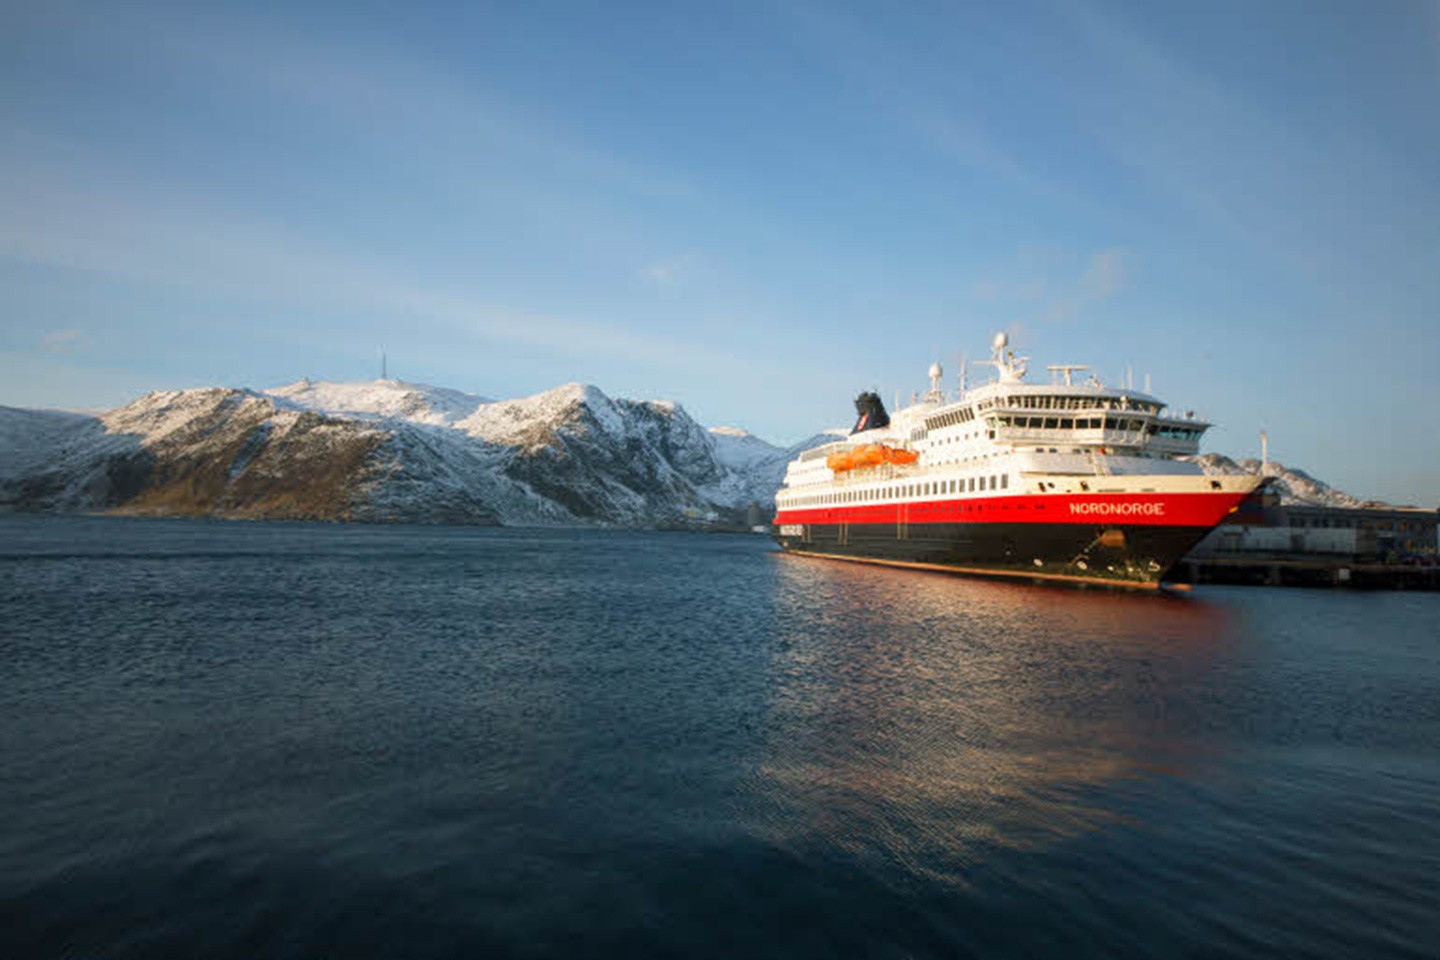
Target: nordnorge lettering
(1119,509)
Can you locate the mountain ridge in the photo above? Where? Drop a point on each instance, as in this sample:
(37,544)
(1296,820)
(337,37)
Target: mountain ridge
(388,450)
(392,451)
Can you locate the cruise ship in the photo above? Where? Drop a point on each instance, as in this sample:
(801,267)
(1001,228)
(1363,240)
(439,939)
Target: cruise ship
(1069,481)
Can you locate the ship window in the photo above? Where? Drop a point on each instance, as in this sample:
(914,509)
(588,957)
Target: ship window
(1051,423)
(1004,481)
(1067,424)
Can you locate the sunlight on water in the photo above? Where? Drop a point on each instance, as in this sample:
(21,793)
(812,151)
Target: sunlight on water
(933,719)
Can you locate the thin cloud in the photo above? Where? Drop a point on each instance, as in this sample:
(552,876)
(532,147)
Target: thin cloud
(1105,274)
(908,86)
(1055,279)
(380,91)
(78,220)
(1193,139)
(63,341)
(670,272)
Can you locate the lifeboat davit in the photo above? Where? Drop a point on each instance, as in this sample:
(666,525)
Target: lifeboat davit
(870,455)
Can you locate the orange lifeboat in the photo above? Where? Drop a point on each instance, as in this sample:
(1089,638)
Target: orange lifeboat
(870,455)
(894,455)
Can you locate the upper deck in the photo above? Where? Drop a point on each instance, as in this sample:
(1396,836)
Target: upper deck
(1063,427)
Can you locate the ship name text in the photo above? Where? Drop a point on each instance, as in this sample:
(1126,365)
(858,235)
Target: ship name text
(1119,509)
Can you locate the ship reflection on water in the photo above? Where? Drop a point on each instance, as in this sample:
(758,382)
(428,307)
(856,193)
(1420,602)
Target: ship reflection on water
(925,719)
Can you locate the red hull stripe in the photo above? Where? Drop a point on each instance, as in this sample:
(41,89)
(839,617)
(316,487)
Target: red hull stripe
(1105,509)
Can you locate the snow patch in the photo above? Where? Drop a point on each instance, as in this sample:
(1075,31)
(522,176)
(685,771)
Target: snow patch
(381,400)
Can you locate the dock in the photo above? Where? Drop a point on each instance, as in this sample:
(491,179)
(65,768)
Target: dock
(1278,572)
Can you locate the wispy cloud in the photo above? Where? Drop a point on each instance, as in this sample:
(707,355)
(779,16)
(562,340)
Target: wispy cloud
(1054,284)
(63,341)
(409,100)
(908,87)
(671,271)
(1199,143)
(1105,274)
(60,215)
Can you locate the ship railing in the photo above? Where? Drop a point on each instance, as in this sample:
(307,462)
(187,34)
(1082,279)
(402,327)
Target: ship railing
(883,471)
(823,451)
(1057,435)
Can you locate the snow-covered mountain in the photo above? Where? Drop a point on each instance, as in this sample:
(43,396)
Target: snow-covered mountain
(757,466)
(392,451)
(1294,486)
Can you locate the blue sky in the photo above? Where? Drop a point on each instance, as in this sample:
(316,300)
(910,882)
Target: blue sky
(754,209)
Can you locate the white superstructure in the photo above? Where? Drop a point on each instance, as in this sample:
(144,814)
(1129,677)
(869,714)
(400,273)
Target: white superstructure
(1009,435)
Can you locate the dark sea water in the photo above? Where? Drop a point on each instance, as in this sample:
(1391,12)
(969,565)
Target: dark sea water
(287,740)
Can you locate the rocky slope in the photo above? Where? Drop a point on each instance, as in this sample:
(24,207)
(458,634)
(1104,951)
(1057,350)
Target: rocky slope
(389,451)
(1294,486)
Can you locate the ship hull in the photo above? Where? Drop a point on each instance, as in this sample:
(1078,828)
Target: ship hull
(1047,538)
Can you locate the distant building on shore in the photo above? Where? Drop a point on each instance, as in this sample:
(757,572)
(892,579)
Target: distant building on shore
(1308,532)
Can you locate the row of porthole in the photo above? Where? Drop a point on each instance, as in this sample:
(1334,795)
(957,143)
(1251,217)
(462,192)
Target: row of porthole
(925,489)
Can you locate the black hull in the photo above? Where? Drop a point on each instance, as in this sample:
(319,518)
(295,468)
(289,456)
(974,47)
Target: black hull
(1134,556)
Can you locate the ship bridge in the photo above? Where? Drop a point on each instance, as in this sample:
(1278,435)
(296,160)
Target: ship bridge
(1085,418)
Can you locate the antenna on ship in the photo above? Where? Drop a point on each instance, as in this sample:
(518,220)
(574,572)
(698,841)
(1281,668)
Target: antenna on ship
(937,392)
(1066,370)
(964,365)
(1264,451)
(383,371)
